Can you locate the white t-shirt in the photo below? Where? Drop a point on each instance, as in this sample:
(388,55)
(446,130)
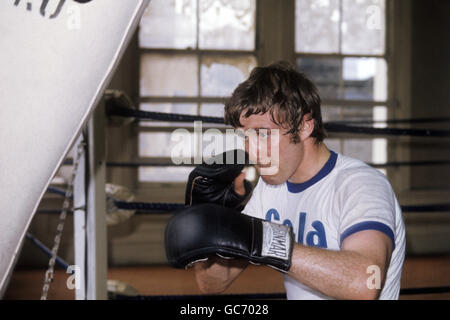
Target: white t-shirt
(344,197)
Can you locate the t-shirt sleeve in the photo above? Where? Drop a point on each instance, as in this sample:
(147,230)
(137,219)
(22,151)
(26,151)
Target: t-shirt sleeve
(253,207)
(366,201)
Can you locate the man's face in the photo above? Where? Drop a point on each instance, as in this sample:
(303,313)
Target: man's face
(270,148)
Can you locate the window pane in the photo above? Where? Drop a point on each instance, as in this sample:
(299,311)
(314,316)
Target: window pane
(168,75)
(365,78)
(358,148)
(334,144)
(324,72)
(164,174)
(180,108)
(357,113)
(161,144)
(212,110)
(228,25)
(379,150)
(169,24)
(380,114)
(367,150)
(221,75)
(354,113)
(181,144)
(363,26)
(331,113)
(317,26)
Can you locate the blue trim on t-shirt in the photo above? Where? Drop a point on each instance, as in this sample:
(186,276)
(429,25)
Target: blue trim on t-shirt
(369,225)
(326,169)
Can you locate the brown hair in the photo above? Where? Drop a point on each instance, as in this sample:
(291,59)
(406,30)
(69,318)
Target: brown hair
(277,88)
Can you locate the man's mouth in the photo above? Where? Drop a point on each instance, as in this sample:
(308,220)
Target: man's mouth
(263,166)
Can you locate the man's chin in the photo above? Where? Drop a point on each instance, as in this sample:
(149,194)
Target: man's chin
(267,170)
(272,179)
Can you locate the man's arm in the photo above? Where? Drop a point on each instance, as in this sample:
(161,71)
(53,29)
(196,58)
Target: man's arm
(216,274)
(339,274)
(344,274)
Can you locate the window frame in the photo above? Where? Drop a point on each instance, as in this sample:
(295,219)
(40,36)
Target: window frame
(198,99)
(389,102)
(263,55)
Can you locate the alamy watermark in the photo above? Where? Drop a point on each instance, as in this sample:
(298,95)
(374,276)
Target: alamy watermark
(262,146)
(74,280)
(374,16)
(374,280)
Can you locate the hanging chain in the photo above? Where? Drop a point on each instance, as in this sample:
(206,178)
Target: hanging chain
(62,218)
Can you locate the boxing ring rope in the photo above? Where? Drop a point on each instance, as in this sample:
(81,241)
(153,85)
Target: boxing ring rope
(335,127)
(388,164)
(147,207)
(55,110)
(113,109)
(396,121)
(249,296)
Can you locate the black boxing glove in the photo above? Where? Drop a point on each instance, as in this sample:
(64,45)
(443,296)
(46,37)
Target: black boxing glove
(195,233)
(212,181)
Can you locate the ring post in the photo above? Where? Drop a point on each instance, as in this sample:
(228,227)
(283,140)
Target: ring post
(96,208)
(79,220)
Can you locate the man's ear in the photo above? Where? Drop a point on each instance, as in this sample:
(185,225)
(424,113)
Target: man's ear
(307,127)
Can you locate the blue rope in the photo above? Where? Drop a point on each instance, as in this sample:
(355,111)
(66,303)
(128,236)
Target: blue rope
(143,207)
(330,126)
(137,164)
(427,208)
(55,190)
(253,296)
(61,262)
(175,206)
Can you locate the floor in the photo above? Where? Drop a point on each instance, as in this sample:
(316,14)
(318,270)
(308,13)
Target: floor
(163,280)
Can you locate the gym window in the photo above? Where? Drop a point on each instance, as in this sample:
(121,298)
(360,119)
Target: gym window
(193,53)
(345,55)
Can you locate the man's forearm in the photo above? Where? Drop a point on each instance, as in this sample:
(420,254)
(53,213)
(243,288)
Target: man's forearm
(337,274)
(216,274)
